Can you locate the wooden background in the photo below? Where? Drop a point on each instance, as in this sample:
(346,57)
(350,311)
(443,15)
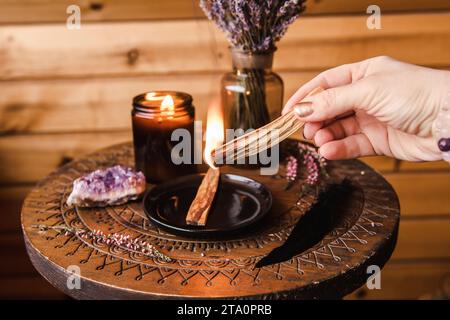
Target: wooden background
(67,92)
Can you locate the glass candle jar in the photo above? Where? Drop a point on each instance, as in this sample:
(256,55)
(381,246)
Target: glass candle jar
(155,115)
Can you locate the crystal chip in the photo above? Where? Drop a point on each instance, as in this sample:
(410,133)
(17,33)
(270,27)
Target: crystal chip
(111,186)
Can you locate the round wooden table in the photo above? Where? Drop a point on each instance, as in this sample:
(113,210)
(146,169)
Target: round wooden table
(322,257)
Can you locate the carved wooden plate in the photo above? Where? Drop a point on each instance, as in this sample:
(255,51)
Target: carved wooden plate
(324,257)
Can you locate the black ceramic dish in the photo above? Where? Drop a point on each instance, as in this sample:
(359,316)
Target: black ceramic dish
(240,202)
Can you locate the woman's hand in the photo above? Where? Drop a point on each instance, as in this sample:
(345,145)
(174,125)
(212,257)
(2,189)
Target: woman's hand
(379,106)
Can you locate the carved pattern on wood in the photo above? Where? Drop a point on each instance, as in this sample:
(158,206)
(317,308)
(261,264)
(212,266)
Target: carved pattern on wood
(230,261)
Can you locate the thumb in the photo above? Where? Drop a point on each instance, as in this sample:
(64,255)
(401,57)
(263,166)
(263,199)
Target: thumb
(334,102)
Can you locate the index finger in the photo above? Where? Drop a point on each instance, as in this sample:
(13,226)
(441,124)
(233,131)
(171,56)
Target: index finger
(338,76)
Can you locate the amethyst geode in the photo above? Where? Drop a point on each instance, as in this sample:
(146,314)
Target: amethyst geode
(112,186)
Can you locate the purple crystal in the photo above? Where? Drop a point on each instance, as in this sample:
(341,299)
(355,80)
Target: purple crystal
(444,144)
(111,186)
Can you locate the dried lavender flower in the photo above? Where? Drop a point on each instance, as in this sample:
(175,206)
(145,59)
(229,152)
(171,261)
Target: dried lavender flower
(291,168)
(315,166)
(112,239)
(253,25)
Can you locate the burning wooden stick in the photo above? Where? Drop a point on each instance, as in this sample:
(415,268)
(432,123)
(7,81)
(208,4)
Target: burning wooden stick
(199,209)
(261,139)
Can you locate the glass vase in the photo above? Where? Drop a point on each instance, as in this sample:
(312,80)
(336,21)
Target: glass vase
(252,94)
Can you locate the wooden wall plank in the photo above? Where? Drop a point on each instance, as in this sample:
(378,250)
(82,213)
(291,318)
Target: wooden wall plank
(407,166)
(17,264)
(74,105)
(132,48)
(11,198)
(423,238)
(101,104)
(29,287)
(413,280)
(360,6)
(37,11)
(28,158)
(382,164)
(422,194)
(108,49)
(89,105)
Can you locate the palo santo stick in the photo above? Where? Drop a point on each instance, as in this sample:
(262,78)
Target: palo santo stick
(260,140)
(199,209)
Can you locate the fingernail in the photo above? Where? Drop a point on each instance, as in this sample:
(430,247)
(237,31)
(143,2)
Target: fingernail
(303,109)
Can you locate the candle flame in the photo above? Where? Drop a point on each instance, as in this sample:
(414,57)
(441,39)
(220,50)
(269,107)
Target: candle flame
(151,96)
(214,131)
(167,107)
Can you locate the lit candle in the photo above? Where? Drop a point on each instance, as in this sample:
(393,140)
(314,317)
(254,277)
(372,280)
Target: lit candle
(155,116)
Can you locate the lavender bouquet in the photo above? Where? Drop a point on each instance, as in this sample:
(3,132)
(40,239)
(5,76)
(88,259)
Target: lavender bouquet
(253,25)
(252,28)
